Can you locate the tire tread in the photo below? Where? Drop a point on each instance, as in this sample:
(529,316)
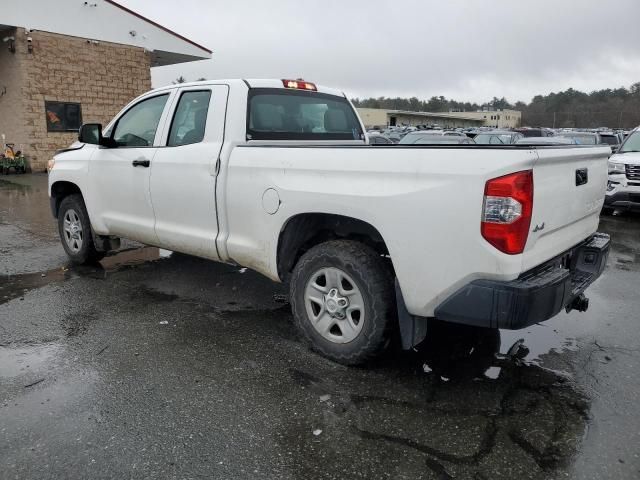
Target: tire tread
(378,287)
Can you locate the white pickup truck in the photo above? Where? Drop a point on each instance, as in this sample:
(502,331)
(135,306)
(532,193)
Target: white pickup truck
(278,176)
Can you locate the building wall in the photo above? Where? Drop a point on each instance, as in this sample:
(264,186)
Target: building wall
(12,78)
(373,117)
(422,119)
(102,77)
(498,118)
(380,117)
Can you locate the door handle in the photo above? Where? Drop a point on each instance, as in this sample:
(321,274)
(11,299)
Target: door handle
(141,163)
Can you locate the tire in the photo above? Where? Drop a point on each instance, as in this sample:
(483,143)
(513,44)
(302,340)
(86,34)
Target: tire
(350,333)
(76,234)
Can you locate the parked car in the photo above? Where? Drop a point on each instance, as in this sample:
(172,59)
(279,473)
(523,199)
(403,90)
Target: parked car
(472,133)
(611,139)
(497,137)
(534,132)
(582,138)
(426,138)
(546,141)
(623,188)
(380,140)
(276,175)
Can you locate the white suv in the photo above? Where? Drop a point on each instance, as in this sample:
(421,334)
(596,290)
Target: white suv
(623,189)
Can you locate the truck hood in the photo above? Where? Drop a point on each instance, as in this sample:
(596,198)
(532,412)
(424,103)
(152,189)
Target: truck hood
(631,158)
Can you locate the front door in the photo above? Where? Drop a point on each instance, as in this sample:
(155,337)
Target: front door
(184,169)
(120,190)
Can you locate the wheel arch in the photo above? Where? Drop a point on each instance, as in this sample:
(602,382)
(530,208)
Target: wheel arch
(305,230)
(59,190)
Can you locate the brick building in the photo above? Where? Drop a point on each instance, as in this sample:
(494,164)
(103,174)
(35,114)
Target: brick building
(81,62)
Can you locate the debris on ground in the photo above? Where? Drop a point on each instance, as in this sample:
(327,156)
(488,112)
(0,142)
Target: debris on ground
(34,383)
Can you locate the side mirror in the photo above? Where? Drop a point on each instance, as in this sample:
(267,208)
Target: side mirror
(91,133)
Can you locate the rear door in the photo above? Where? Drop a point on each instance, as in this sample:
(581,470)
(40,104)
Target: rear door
(184,170)
(569,188)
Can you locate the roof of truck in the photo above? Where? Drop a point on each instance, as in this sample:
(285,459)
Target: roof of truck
(251,83)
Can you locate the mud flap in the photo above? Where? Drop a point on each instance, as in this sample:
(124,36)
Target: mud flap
(413,329)
(105,243)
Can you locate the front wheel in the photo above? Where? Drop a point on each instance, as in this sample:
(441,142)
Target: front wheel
(74,228)
(343,302)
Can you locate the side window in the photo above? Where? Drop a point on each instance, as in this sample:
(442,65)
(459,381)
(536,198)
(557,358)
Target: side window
(137,127)
(190,118)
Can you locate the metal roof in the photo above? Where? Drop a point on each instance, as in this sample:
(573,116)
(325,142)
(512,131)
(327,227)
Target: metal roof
(434,114)
(103,20)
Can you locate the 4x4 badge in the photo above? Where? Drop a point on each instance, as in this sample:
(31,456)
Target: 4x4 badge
(538,228)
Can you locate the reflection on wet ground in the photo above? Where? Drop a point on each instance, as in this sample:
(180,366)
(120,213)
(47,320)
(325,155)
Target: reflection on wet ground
(13,286)
(151,364)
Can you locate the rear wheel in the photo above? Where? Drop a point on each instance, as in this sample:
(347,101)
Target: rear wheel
(343,303)
(75,232)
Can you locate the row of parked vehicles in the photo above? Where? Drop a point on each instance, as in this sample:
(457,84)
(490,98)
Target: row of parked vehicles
(541,136)
(623,187)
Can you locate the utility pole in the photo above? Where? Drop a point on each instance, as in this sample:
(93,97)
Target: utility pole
(554,119)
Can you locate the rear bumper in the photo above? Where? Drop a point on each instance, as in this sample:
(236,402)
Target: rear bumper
(623,201)
(535,296)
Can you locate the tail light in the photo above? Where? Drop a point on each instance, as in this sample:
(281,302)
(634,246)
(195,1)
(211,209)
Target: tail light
(506,213)
(300,85)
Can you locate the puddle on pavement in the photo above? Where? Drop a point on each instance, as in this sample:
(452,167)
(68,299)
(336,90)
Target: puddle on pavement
(453,352)
(15,362)
(560,333)
(15,286)
(455,407)
(543,338)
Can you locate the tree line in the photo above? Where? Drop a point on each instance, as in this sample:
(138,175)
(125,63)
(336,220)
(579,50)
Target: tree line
(613,108)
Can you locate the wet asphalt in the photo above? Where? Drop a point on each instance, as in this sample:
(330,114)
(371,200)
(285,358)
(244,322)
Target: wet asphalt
(159,365)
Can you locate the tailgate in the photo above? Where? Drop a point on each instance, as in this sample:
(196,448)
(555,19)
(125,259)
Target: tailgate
(569,188)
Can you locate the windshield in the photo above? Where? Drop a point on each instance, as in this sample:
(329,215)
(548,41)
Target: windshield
(580,139)
(279,114)
(492,139)
(631,144)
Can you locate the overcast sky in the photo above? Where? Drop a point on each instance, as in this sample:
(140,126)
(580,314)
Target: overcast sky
(462,49)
